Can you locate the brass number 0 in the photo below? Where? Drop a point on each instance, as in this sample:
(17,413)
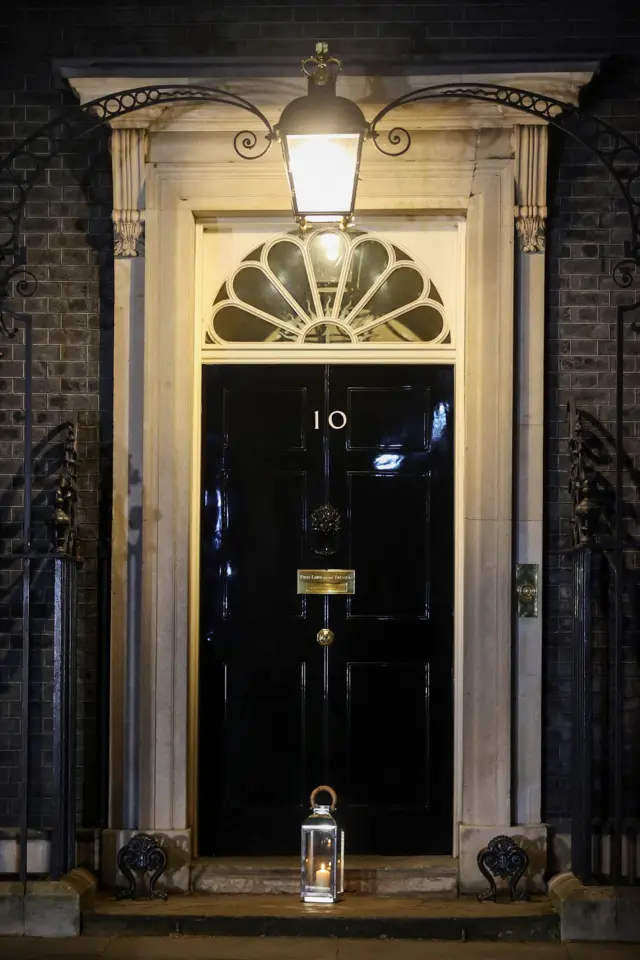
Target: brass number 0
(330,419)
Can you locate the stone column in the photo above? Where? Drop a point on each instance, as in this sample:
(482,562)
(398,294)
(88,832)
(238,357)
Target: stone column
(496,715)
(530,217)
(128,157)
(128,150)
(136,758)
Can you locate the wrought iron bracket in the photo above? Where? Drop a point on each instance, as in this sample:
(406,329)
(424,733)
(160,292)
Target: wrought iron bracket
(617,152)
(21,169)
(502,857)
(142,853)
(24,165)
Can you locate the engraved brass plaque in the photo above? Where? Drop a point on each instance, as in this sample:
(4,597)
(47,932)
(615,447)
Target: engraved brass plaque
(327,581)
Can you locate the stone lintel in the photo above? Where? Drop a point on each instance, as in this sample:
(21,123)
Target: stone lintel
(273,92)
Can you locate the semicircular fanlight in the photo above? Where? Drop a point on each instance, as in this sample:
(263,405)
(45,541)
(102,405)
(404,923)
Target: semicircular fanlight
(328,286)
(254,287)
(287,263)
(232,324)
(417,324)
(400,287)
(326,333)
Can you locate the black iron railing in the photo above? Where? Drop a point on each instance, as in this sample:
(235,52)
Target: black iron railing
(605,816)
(48,575)
(63,833)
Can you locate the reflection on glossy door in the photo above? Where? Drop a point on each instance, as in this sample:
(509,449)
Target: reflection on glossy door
(289,485)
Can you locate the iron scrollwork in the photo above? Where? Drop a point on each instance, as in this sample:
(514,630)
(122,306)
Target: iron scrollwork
(145,854)
(502,857)
(618,154)
(615,151)
(393,143)
(589,492)
(326,524)
(63,520)
(23,166)
(26,285)
(245,144)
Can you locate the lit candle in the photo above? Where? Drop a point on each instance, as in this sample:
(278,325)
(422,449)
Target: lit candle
(323,876)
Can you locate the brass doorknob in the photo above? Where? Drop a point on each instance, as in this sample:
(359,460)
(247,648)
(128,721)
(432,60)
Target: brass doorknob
(325,637)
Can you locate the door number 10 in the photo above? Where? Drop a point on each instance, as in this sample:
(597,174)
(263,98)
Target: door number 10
(337,419)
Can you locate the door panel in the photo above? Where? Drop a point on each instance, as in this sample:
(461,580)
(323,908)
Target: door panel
(386,418)
(378,506)
(371,714)
(384,701)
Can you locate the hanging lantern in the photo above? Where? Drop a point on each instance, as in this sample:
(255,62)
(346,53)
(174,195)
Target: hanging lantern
(322,857)
(321,136)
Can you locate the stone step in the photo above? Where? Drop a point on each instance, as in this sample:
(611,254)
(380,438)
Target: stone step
(387,876)
(428,918)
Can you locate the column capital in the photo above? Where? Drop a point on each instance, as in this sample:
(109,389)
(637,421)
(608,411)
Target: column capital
(128,156)
(530,208)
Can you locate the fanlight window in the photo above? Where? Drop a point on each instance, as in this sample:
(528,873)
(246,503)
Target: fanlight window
(328,286)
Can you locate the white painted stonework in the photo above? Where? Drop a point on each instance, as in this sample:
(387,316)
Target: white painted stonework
(128,161)
(531,187)
(481,165)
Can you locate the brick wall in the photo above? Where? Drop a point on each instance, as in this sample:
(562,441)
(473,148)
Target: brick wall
(381,30)
(68,234)
(69,245)
(588,226)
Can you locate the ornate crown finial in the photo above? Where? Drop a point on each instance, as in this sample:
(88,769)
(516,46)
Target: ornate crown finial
(321,69)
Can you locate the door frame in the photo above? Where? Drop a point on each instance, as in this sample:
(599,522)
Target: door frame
(354,353)
(473,176)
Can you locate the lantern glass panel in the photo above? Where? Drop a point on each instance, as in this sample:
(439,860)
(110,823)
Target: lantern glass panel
(322,858)
(323,169)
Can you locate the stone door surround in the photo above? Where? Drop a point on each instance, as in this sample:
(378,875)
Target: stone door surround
(175,166)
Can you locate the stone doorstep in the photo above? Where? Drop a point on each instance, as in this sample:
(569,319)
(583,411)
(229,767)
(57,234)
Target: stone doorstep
(387,876)
(46,908)
(399,876)
(595,913)
(365,917)
(11,908)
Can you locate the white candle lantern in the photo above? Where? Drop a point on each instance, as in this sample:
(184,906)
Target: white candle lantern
(322,856)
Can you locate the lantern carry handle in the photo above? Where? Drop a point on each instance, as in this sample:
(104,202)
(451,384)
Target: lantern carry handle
(321,789)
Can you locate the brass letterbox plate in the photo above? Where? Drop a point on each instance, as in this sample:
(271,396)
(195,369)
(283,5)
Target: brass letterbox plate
(327,581)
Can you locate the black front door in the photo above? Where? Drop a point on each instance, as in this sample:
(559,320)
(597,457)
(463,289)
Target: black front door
(371,713)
